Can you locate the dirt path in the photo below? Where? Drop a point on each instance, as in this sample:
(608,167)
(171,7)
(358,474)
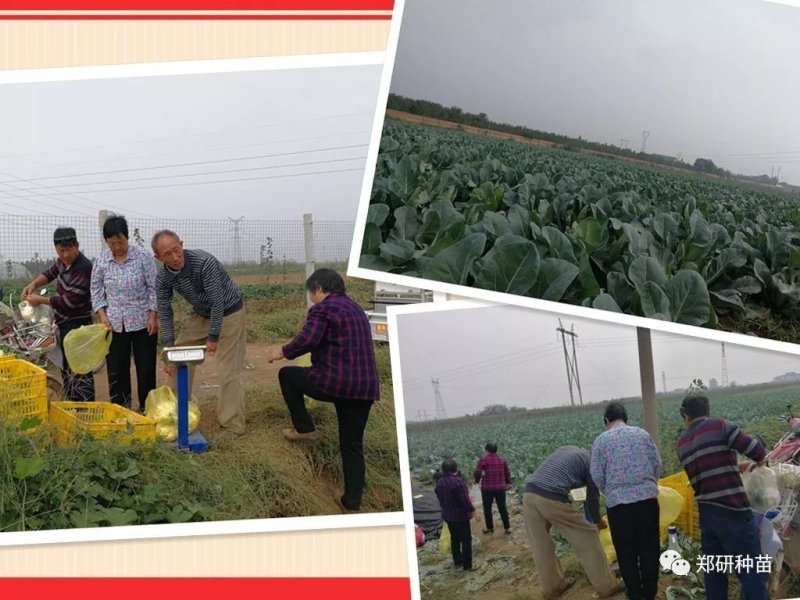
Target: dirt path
(506,567)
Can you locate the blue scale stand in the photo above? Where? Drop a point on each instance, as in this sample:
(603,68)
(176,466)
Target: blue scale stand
(182,357)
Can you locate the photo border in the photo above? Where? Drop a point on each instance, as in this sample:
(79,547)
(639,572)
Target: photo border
(192,67)
(474,293)
(397,382)
(170,530)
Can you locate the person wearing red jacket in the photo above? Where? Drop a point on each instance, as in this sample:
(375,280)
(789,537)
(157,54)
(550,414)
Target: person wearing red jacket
(494,476)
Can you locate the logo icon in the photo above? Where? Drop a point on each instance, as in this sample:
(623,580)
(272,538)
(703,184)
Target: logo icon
(672,561)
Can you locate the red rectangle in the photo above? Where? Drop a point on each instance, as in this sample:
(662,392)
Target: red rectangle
(206,588)
(131,5)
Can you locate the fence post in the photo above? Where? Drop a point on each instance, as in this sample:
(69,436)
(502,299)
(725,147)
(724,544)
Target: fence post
(308,234)
(101,218)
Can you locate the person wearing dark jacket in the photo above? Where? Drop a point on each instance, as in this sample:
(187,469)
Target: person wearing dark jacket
(72,303)
(457,511)
(343,371)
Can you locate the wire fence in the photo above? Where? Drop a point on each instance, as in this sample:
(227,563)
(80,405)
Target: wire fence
(26,242)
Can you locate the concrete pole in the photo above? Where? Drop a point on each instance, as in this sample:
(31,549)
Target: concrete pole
(308,234)
(648,381)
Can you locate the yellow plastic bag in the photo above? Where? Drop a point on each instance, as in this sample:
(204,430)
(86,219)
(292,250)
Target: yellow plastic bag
(670,505)
(305,361)
(444,540)
(86,348)
(162,406)
(608,545)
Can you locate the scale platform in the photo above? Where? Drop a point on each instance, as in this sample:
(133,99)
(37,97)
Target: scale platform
(182,357)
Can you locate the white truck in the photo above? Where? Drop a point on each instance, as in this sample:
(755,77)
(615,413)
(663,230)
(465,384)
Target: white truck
(387,294)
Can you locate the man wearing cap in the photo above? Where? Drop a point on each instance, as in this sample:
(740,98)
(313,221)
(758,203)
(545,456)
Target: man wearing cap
(217,320)
(72,304)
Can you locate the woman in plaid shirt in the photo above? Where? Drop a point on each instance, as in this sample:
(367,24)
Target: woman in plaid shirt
(494,476)
(337,333)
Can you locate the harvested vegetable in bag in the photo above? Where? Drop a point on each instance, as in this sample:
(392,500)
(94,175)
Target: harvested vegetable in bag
(162,406)
(86,348)
(761,487)
(444,541)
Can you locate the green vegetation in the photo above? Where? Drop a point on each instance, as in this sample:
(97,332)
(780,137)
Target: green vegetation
(525,440)
(583,230)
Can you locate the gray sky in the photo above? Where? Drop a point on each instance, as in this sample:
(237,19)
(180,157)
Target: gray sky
(709,78)
(512,356)
(321,116)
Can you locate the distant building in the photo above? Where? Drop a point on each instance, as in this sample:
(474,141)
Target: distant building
(790,377)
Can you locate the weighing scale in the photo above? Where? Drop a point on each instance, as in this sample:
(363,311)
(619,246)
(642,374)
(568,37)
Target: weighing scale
(182,357)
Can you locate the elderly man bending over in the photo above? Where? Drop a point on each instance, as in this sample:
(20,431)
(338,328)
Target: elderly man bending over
(217,320)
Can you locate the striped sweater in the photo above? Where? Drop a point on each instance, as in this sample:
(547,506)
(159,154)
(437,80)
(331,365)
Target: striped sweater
(565,470)
(708,453)
(73,284)
(205,284)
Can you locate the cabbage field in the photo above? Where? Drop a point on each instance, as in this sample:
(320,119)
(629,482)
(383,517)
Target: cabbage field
(525,440)
(562,226)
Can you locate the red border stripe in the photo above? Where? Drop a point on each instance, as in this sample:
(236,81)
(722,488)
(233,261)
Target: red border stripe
(206,588)
(195,17)
(173,5)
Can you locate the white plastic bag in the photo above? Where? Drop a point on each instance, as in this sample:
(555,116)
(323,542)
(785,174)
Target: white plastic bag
(761,487)
(475,495)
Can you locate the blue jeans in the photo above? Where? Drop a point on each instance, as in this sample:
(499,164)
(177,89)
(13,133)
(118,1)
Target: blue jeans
(727,532)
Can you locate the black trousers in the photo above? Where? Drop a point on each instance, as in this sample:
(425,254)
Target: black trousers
(118,364)
(636,537)
(77,388)
(352,418)
(487,498)
(461,543)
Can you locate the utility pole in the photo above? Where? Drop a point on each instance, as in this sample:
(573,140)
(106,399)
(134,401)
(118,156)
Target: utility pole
(571,364)
(724,367)
(664,381)
(237,241)
(440,413)
(645,134)
(648,382)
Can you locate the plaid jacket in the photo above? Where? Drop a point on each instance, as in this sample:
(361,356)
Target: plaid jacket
(493,473)
(337,333)
(454,498)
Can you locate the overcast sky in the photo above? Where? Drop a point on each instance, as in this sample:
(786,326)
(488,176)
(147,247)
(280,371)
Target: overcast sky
(707,78)
(237,126)
(514,356)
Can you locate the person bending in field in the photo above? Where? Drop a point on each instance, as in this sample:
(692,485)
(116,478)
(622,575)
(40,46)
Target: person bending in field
(338,335)
(217,320)
(546,504)
(72,304)
(457,511)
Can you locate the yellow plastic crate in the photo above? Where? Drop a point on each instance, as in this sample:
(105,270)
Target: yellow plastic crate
(71,420)
(689,519)
(23,390)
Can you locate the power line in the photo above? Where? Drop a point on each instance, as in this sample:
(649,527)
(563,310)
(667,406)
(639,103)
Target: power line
(189,135)
(203,150)
(171,185)
(59,188)
(191,164)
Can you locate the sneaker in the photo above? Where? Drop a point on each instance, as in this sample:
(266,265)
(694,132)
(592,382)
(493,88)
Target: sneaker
(473,568)
(295,436)
(488,531)
(508,531)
